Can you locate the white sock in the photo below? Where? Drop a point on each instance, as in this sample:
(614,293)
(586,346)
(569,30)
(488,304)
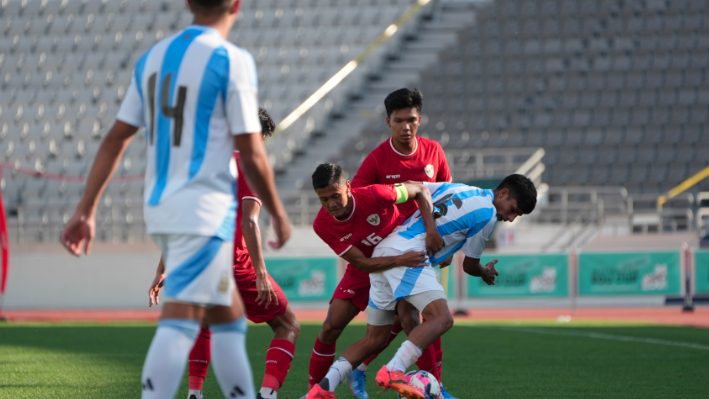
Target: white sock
(231,364)
(268,393)
(339,370)
(167,358)
(407,355)
(362,367)
(196,392)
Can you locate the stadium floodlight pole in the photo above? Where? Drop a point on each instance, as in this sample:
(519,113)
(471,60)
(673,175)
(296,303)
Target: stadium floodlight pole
(682,187)
(346,70)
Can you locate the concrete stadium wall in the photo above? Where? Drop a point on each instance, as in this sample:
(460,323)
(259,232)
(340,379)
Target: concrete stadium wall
(47,277)
(113,276)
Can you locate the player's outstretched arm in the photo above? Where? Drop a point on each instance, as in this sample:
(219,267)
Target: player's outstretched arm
(78,232)
(260,177)
(418,191)
(250,210)
(487,273)
(380,263)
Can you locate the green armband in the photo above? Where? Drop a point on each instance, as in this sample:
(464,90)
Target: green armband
(402,194)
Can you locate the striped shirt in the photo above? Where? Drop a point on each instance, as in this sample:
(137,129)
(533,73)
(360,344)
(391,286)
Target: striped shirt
(465,218)
(192,92)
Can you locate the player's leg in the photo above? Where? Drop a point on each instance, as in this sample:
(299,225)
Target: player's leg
(358,379)
(339,315)
(280,352)
(282,321)
(231,363)
(375,339)
(350,297)
(199,363)
(167,356)
(194,265)
(437,320)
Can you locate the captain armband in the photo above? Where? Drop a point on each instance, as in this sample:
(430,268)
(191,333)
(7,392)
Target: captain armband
(402,194)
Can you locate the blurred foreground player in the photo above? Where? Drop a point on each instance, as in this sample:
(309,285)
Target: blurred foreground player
(264,300)
(196,94)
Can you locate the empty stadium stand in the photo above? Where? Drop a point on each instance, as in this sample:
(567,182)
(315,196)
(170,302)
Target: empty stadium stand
(66,64)
(613,91)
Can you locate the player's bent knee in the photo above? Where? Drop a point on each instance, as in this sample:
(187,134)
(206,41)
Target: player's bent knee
(446,321)
(330,332)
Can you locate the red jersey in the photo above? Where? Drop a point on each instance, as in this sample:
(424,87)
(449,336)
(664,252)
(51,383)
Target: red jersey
(386,165)
(242,259)
(374,216)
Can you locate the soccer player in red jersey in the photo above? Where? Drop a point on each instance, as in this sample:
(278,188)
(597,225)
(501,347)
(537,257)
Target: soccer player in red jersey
(352,221)
(264,300)
(403,157)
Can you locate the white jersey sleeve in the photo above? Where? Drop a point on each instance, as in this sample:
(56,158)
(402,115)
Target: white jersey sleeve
(474,246)
(131,111)
(241,99)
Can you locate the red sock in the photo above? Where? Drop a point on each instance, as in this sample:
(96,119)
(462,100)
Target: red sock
(320,361)
(395,330)
(430,359)
(199,359)
(278,359)
(438,371)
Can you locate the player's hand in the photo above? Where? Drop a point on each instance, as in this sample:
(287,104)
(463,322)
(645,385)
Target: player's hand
(434,242)
(446,262)
(78,234)
(489,272)
(154,290)
(411,259)
(283,229)
(265,293)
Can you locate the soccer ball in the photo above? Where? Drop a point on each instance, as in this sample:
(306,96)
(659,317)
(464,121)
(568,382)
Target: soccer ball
(426,383)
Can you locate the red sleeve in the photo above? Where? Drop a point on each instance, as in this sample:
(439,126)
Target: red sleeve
(383,194)
(444,173)
(326,233)
(242,186)
(367,172)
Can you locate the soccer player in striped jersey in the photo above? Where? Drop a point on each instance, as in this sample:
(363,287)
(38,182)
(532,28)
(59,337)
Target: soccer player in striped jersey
(196,94)
(405,156)
(465,217)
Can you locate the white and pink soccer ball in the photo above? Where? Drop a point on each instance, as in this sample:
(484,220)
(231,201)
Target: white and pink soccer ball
(426,383)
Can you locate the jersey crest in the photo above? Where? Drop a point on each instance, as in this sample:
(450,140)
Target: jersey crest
(374,219)
(428,170)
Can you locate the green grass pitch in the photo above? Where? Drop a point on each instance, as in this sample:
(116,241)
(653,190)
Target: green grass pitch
(480,361)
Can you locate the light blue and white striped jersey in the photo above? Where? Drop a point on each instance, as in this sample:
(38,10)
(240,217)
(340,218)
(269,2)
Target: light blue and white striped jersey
(192,92)
(465,218)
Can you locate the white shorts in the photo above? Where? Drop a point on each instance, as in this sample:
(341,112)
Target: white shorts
(398,283)
(198,269)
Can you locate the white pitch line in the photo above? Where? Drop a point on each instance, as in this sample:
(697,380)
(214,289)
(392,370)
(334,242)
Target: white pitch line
(611,337)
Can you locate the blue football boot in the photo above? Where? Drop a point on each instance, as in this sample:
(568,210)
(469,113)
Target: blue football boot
(358,380)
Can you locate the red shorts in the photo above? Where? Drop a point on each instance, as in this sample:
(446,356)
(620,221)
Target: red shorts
(246,284)
(353,287)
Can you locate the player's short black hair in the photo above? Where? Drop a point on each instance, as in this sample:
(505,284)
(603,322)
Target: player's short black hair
(522,189)
(327,174)
(402,99)
(267,125)
(211,6)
